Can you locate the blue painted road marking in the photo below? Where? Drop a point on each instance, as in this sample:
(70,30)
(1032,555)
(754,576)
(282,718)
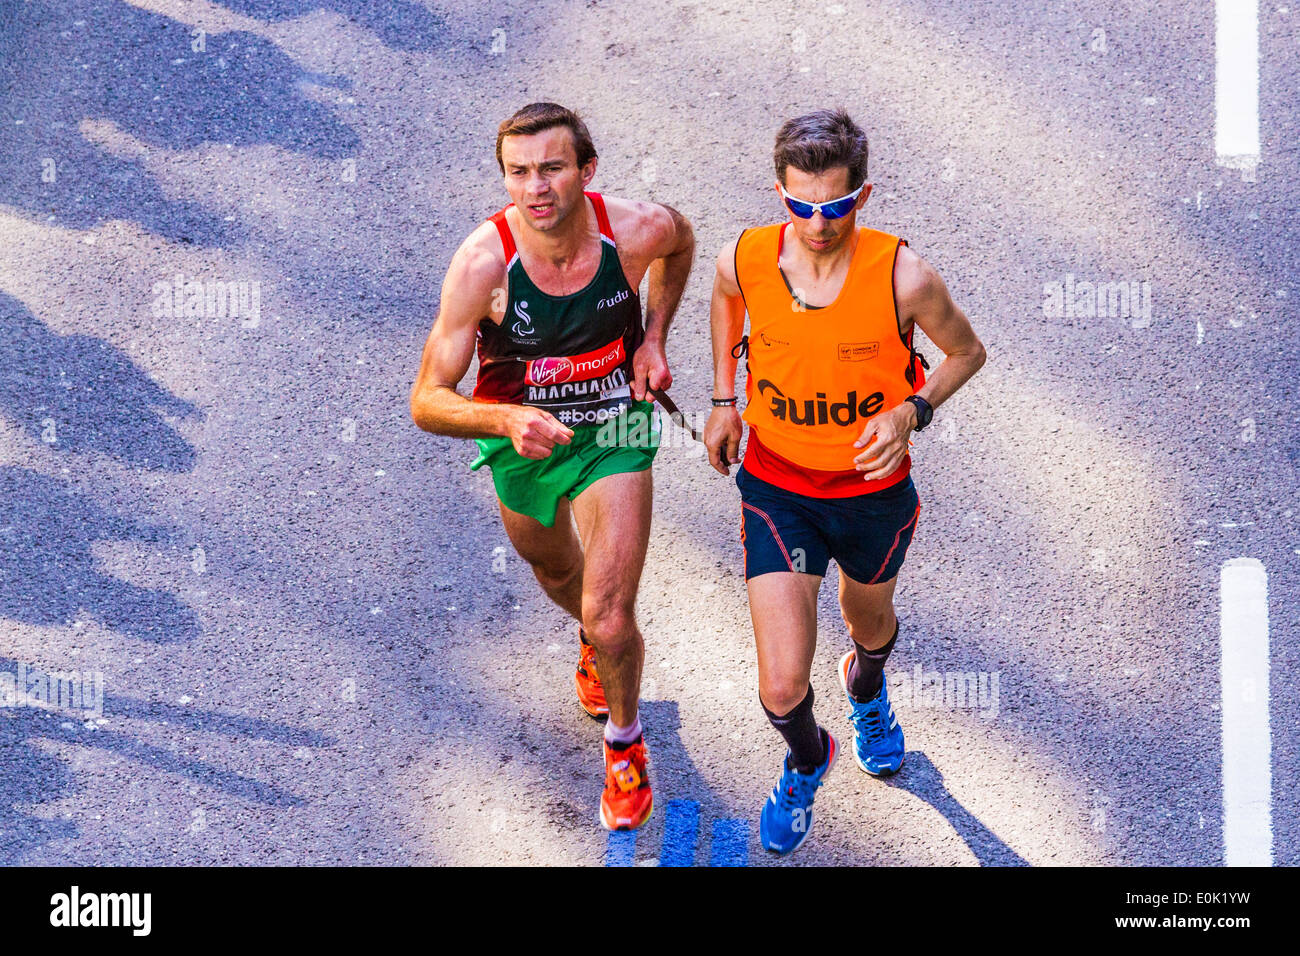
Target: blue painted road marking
(620,848)
(730,846)
(681,832)
(730,843)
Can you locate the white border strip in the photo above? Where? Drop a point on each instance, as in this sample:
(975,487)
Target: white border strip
(1247,739)
(1236,85)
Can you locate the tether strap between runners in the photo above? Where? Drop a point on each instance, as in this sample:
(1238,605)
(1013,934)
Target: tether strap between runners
(673,411)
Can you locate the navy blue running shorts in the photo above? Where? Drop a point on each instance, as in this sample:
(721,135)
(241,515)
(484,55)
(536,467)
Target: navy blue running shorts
(867,535)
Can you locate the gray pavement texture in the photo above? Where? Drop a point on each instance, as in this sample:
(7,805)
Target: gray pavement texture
(316,644)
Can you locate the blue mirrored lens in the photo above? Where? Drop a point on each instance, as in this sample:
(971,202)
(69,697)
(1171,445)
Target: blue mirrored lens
(800,209)
(835,210)
(839,209)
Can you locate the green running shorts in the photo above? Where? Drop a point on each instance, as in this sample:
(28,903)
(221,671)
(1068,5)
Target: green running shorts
(534,487)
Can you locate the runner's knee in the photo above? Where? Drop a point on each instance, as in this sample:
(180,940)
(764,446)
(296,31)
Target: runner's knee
(870,627)
(782,693)
(610,625)
(557,575)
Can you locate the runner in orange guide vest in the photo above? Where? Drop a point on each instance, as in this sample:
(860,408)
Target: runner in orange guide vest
(833,393)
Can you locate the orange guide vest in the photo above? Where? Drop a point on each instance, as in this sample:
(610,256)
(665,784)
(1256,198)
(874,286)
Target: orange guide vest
(818,376)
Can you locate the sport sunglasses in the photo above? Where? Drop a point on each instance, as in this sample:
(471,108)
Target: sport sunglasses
(831,209)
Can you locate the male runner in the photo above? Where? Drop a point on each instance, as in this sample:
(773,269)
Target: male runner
(833,394)
(547,289)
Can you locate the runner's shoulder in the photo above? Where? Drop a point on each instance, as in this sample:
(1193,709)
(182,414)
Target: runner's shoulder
(726,265)
(915,280)
(641,225)
(476,271)
(480,262)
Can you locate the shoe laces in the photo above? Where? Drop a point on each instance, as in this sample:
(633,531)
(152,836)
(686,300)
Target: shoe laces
(869,719)
(587,661)
(796,790)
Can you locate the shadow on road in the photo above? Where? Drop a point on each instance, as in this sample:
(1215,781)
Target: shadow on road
(78,393)
(109,61)
(31,776)
(921,778)
(48,572)
(675,773)
(34,776)
(402,24)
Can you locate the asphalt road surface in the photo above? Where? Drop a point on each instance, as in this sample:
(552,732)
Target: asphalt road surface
(312,640)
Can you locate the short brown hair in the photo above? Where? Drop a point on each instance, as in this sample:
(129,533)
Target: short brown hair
(816,142)
(536,117)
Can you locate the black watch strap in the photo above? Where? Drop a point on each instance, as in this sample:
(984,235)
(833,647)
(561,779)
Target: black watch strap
(924,411)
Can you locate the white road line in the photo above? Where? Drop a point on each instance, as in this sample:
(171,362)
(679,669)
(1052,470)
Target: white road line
(1247,741)
(1236,85)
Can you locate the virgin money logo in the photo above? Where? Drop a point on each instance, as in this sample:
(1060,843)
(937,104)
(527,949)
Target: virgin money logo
(557,369)
(549,371)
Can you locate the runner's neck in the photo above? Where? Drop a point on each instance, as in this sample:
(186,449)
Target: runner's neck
(561,247)
(819,266)
(822,266)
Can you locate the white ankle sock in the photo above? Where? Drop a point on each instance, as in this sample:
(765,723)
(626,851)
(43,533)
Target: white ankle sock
(615,734)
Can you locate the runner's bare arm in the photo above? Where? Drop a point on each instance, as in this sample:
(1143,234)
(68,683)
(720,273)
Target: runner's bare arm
(473,278)
(726,321)
(673,248)
(922,298)
(659,243)
(723,431)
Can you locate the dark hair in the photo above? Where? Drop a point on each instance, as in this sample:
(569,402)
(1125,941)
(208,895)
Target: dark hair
(816,142)
(536,117)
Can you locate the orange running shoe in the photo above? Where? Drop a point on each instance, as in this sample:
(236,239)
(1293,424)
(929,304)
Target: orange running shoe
(627,801)
(591,695)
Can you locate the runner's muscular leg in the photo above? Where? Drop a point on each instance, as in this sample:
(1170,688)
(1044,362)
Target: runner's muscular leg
(868,610)
(554,554)
(613,517)
(783,606)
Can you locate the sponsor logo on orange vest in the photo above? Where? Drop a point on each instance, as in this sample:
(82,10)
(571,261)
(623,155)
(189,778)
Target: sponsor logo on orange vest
(858,351)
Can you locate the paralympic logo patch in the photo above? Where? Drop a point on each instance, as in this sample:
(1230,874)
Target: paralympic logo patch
(524,327)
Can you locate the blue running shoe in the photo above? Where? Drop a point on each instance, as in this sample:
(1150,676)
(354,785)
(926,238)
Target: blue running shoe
(877,738)
(787,816)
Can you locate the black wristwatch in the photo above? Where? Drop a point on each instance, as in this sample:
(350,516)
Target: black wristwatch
(923,411)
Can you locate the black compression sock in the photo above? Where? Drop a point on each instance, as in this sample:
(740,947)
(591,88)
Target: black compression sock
(866,670)
(802,735)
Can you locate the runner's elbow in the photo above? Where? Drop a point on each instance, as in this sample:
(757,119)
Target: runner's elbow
(417,414)
(421,411)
